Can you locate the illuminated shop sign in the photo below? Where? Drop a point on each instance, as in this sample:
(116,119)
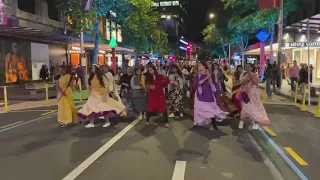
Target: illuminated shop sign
(304,44)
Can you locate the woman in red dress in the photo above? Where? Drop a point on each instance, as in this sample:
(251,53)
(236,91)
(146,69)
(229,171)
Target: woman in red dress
(156,97)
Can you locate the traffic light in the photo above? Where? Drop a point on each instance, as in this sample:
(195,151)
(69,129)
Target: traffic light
(171,58)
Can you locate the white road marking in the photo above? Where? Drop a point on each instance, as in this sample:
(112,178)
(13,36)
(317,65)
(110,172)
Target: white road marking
(85,164)
(179,170)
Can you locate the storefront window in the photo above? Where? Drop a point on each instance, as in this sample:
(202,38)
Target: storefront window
(297,56)
(305,57)
(113,30)
(166,3)
(119,33)
(108,30)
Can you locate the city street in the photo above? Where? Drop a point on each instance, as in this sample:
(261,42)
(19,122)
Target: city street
(38,149)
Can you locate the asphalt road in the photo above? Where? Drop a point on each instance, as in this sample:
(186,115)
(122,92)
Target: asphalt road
(41,150)
(298,131)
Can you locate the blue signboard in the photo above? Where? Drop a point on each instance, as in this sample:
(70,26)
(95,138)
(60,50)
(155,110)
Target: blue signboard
(262,35)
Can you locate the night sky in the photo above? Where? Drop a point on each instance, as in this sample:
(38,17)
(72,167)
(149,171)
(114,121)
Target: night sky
(198,12)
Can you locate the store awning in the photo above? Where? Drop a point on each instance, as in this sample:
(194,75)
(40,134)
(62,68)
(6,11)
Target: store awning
(256,50)
(314,24)
(50,37)
(103,47)
(35,34)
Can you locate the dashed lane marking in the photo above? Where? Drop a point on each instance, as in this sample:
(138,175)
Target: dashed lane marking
(85,164)
(12,124)
(179,170)
(50,112)
(296,156)
(269,131)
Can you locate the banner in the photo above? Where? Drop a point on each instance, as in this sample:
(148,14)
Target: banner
(39,58)
(17,60)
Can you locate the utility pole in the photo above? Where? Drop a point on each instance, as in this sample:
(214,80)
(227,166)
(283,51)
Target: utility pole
(280,37)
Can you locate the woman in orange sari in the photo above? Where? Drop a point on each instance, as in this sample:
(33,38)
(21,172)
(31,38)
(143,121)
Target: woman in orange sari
(67,112)
(15,65)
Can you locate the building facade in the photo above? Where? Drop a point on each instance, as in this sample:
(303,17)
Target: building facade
(35,33)
(173,17)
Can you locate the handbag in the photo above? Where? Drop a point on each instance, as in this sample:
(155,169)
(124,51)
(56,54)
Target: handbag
(243,96)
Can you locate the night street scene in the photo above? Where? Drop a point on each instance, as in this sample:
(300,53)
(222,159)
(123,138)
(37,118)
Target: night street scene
(159,89)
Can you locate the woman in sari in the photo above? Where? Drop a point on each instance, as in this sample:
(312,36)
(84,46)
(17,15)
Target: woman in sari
(253,110)
(156,97)
(206,109)
(67,112)
(176,91)
(138,93)
(236,86)
(99,102)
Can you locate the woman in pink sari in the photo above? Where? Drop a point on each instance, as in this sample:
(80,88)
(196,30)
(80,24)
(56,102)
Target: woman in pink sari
(253,110)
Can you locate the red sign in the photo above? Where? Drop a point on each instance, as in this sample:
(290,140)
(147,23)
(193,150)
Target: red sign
(268,4)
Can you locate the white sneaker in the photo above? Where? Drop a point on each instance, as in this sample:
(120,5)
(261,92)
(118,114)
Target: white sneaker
(101,117)
(181,114)
(241,123)
(171,115)
(107,124)
(167,125)
(140,117)
(255,125)
(90,125)
(218,119)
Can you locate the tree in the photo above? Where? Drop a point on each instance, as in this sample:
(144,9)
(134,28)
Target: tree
(142,30)
(80,19)
(219,38)
(248,18)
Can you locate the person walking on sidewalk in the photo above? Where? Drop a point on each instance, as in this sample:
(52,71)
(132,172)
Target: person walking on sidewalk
(176,91)
(138,93)
(268,76)
(156,97)
(99,102)
(67,112)
(294,75)
(206,109)
(252,110)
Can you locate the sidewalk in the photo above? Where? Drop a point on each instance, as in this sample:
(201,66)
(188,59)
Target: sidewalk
(30,104)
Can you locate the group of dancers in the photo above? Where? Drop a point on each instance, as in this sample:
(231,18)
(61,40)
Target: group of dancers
(144,90)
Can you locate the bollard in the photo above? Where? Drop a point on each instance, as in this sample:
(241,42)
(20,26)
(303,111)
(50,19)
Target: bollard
(6,106)
(47,95)
(295,102)
(303,107)
(81,95)
(265,91)
(318,109)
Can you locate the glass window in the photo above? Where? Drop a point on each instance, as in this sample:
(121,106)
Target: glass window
(113,30)
(119,33)
(163,16)
(108,31)
(155,4)
(175,3)
(27,6)
(166,3)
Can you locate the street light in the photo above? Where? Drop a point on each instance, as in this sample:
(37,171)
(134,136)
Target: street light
(211,15)
(182,37)
(168,17)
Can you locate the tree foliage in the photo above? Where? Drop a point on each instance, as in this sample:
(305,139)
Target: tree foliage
(142,30)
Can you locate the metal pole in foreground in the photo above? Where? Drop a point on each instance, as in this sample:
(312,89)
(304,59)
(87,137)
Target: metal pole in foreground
(309,75)
(280,37)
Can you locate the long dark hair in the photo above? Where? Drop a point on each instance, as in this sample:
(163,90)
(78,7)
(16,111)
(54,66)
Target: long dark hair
(174,66)
(237,73)
(204,64)
(110,70)
(149,77)
(98,74)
